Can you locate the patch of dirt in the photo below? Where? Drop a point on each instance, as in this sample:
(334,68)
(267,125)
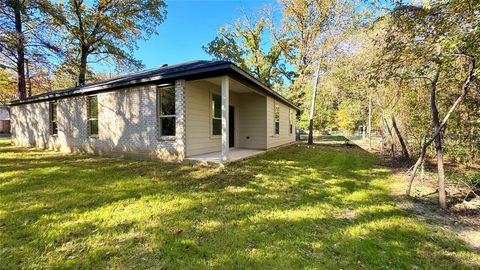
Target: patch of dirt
(466,227)
(462,218)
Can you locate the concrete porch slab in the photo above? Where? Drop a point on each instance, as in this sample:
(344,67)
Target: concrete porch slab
(235,155)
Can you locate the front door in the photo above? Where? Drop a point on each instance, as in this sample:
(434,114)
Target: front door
(231,126)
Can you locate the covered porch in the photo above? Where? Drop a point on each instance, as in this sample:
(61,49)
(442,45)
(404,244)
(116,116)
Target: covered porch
(225,120)
(234,154)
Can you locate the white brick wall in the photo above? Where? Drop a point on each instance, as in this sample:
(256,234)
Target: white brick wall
(180,124)
(30,125)
(127,125)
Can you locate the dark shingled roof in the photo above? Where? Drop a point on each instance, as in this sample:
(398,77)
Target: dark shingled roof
(162,75)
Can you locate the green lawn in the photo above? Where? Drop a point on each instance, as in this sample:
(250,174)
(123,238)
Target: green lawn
(294,208)
(325,138)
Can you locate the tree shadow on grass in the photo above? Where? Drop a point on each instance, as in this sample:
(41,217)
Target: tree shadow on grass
(292,208)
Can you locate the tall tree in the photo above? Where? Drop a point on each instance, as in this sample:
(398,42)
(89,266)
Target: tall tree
(437,39)
(310,35)
(12,40)
(246,43)
(25,42)
(104,30)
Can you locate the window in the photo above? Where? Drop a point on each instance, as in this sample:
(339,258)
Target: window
(53,118)
(166,111)
(290,120)
(93,115)
(216,114)
(277,119)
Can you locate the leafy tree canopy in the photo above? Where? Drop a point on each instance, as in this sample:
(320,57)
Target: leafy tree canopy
(103,30)
(245,42)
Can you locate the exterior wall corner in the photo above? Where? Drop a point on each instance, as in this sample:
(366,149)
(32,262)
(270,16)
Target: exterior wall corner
(180,123)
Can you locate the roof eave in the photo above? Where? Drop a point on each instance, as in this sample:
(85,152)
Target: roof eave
(88,90)
(203,72)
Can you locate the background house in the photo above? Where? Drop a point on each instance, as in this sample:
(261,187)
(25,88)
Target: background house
(173,112)
(4,120)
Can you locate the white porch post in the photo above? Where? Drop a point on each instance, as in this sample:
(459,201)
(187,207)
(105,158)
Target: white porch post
(225,104)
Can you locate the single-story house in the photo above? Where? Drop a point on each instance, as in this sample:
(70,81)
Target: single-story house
(4,119)
(211,108)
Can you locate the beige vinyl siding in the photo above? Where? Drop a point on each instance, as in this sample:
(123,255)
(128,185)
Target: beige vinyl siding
(284,137)
(253,119)
(199,138)
(253,109)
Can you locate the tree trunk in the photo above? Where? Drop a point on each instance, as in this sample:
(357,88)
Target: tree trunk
(422,172)
(83,66)
(400,139)
(369,130)
(465,86)
(415,168)
(312,107)
(392,144)
(382,144)
(22,93)
(28,78)
(438,142)
(442,200)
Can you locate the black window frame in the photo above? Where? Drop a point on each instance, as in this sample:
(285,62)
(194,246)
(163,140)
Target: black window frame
(92,121)
(276,119)
(161,116)
(290,120)
(53,117)
(215,119)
